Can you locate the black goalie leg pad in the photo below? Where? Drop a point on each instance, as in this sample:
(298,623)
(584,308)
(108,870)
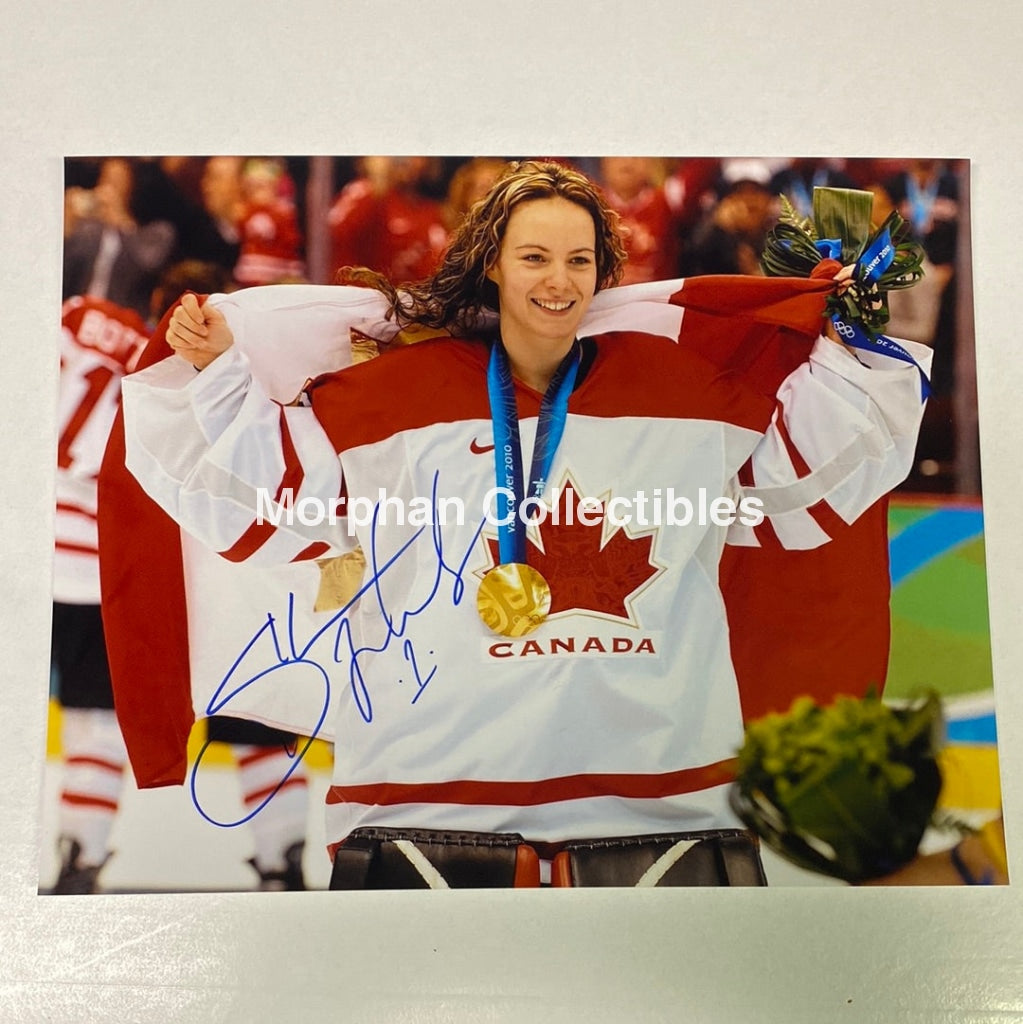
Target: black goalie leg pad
(722,857)
(430,859)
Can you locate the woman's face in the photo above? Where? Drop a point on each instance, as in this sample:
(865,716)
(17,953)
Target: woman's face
(545,272)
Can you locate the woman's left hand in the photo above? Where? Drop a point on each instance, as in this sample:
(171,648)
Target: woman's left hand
(844,278)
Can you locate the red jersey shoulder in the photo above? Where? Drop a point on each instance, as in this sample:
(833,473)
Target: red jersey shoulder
(637,374)
(435,381)
(115,332)
(443,380)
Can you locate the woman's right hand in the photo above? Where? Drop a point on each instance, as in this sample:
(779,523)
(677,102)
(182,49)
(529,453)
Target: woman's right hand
(198,333)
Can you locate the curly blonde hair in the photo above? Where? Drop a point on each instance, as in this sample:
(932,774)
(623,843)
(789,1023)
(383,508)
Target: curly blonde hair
(459,295)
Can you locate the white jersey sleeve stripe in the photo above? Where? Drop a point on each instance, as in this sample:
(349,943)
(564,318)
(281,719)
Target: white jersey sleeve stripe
(810,454)
(227,447)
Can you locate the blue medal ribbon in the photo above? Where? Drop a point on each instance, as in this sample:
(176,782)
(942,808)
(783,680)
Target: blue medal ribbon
(829,248)
(855,337)
(511,536)
(873,262)
(876,259)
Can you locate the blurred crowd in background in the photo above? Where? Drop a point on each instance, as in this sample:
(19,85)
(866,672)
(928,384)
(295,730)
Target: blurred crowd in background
(138,231)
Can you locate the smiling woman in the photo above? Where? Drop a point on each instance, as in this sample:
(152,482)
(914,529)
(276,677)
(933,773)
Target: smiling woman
(546,276)
(459,763)
(573,232)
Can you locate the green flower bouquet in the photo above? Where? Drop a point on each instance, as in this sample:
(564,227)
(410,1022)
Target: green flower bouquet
(840,229)
(845,790)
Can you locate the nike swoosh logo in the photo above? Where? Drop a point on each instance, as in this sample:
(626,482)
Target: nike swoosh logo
(479,449)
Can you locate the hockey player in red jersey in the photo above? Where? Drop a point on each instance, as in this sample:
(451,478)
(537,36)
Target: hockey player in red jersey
(557,699)
(99,343)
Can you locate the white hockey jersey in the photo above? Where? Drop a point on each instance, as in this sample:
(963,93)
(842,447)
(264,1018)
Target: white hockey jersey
(99,343)
(620,714)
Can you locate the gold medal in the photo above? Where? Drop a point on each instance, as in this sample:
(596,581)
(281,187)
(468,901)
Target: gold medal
(340,580)
(513,599)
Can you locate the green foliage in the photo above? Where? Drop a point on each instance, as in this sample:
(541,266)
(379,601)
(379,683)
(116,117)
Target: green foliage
(845,790)
(844,214)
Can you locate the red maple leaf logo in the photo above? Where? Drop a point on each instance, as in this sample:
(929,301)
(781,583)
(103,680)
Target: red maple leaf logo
(583,574)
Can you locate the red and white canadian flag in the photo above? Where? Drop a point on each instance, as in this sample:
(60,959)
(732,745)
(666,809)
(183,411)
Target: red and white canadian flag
(801,622)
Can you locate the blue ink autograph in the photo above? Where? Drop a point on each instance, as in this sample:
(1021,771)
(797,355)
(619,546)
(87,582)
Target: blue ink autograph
(294,657)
